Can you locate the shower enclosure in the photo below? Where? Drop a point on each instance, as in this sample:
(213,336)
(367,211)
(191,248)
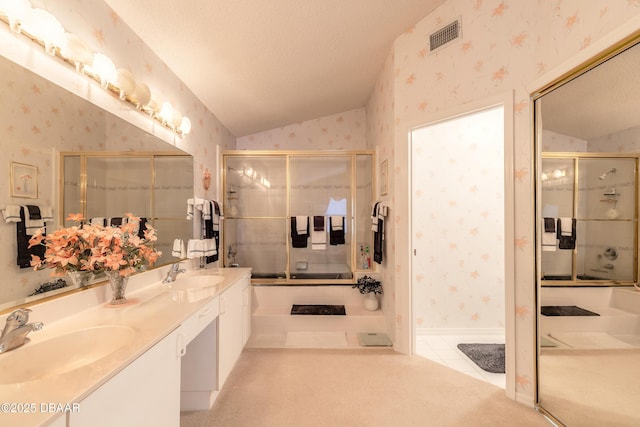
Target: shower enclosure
(265,190)
(599,192)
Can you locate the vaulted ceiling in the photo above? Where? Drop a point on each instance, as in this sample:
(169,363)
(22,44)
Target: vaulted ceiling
(259,65)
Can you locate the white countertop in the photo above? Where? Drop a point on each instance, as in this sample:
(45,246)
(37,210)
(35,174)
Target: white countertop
(152,315)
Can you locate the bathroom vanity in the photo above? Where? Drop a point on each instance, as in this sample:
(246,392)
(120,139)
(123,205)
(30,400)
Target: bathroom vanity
(169,349)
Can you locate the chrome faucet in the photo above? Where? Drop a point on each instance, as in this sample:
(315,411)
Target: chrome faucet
(16,330)
(173,273)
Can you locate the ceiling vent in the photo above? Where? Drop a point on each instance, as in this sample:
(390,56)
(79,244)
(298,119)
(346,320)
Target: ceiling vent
(445,35)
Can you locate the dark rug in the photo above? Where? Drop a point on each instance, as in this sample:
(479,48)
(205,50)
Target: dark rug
(565,310)
(489,357)
(332,310)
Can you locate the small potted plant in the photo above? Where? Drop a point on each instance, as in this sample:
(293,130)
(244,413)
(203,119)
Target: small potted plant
(369,286)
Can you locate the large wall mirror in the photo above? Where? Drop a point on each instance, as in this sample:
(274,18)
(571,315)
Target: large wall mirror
(587,133)
(128,170)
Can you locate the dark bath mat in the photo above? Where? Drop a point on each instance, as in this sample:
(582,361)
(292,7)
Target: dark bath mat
(565,310)
(489,357)
(332,310)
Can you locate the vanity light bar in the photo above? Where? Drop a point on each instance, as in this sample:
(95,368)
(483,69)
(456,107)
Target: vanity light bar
(44,29)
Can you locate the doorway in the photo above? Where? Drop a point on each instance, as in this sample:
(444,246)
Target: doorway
(458,238)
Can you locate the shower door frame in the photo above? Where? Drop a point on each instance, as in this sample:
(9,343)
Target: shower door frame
(287,155)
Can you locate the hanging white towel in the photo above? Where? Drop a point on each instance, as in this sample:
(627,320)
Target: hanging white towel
(206,209)
(47,213)
(11,213)
(374,217)
(99,220)
(549,241)
(336,222)
(209,246)
(195,248)
(32,223)
(319,236)
(302,224)
(194,204)
(178,248)
(566,226)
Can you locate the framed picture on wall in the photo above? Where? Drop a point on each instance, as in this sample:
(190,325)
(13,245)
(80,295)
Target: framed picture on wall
(24,180)
(384,178)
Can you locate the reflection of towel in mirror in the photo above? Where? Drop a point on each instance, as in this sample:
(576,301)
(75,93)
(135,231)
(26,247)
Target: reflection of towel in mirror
(11,213)
(302,224)
(566,239)
(22,240)
(195,248)
(298,240)
(100,221)
(319,234)
(336,230)
(178,248)
(549,236)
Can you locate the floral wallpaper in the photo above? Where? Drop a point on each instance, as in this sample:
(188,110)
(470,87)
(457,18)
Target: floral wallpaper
(344,131)
(505,46)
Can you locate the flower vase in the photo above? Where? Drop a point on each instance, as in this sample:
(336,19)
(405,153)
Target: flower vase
(118,284)
(79,278)
(371,301)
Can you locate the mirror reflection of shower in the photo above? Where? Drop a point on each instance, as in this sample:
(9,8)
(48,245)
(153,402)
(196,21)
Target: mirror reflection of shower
(604,175)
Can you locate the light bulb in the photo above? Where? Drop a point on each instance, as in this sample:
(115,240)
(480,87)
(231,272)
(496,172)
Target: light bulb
(141,94)
(185,125)
(166,112)
(105,70)
(45,27)
(76,50)
(15,11)
(177,119)
(125,82)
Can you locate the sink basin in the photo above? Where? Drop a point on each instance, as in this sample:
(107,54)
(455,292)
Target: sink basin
(194,288)
(63,353)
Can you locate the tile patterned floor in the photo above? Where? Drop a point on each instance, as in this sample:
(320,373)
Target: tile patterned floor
(443,349)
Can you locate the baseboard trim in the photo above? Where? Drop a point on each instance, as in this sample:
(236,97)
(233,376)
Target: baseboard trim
(460,331)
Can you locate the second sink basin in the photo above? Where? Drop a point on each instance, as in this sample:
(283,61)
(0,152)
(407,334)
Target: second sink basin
(63,353)
(194,288)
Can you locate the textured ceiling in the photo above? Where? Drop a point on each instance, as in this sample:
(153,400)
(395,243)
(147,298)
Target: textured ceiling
(258,65)
(603,101)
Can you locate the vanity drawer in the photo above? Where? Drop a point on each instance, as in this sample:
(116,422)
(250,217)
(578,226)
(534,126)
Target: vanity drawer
(191,327)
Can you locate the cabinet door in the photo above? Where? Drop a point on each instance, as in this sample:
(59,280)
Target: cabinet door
(230,329)
(145,393)
(246,313)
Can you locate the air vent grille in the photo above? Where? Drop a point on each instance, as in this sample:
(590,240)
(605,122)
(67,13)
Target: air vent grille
(444,35)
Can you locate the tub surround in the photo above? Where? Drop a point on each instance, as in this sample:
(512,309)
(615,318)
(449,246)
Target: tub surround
(152,316)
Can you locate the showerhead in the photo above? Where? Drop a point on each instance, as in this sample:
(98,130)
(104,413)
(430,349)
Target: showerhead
(604,175)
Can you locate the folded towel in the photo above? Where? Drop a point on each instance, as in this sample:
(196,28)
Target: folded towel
(193,205)
(117,221)
(46,213)
(215,216)
(336,222)
(99,221)
(319,234)
(11,213)
(566,227)
(33,219)
(178,248)
(336,231)
(302,224)
(549,225)
(318,223)
(567,241)
(298,240)
(374,217)
(206,209)
(195,248)
(209,246)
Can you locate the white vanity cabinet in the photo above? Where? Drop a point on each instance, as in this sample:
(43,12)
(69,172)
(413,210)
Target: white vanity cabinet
(145,393)
(234,326)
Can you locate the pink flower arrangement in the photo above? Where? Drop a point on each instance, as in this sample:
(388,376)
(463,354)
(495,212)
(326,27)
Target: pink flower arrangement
(96,248)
